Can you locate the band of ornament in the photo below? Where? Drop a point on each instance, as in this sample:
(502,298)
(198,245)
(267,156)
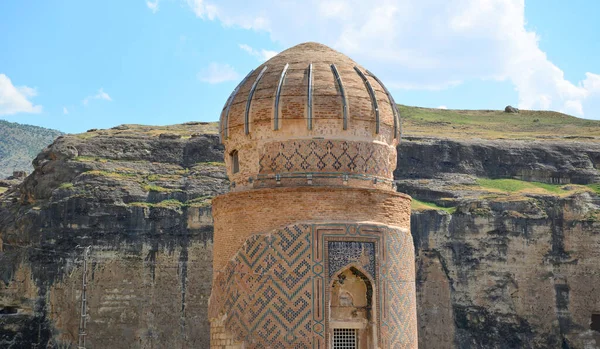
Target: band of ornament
(331,156)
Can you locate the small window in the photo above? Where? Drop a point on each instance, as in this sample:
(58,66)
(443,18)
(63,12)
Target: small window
(235,163)
(344,338)
(595,323)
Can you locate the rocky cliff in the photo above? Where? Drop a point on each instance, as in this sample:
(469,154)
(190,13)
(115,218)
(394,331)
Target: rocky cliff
(140,198)
(507,238)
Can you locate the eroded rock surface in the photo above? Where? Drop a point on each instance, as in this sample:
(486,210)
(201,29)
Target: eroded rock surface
(507,263)
(505,278)
(142,202)
(549,162)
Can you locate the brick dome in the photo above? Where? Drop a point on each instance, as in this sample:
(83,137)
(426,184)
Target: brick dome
(341,93)
(307,92)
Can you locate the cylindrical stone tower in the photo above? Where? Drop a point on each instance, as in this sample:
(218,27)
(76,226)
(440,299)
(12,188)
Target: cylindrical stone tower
(312,247)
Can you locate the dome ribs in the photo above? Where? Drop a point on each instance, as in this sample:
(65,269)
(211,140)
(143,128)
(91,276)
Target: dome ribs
(310,90)
(343,94)
(309,106)
(225,120)
(373,97)
(277,95)
(311,116)
(397,121)
(249,102)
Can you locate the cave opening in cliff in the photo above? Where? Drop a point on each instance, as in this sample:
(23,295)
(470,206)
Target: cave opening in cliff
(595,323)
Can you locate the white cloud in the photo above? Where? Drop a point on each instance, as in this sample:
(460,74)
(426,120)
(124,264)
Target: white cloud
(203,10)
(65,110)
(153,5)
(239,17)
(15,99)
(427,44)
(218,72)
(442,107)
(101,95)
(591,83)
(433,86)
(262,55)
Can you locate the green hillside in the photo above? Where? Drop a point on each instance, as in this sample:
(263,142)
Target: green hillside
(19,144)
(496,124)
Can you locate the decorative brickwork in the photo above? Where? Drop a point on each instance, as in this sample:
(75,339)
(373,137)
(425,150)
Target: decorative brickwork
(332,156)
(266,290)
(271,105)
(313,236)
(295,90)
(395,264)
(274,293)
(344,253)
(400,305)
(239,215)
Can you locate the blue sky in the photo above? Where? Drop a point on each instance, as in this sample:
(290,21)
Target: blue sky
(74,65)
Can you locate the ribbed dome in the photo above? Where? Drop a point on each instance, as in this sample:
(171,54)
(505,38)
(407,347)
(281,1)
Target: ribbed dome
(310,116)
(340,97)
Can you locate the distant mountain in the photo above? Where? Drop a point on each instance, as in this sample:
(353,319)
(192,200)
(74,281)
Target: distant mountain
(19,144)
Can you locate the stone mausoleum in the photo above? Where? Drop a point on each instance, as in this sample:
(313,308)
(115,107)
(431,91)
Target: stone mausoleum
(312,247)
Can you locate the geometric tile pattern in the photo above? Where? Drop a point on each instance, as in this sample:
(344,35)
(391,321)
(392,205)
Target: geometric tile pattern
(335,156)
(393,280)
(275,290)
(400,292)
(266,291)
(343,253)
(323,236)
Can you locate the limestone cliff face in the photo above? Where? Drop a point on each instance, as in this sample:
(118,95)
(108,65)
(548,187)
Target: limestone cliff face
(549,162)
(496,268)
(505,280)
(504,267)
(142,202)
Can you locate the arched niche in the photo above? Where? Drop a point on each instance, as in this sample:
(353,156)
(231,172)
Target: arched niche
(351,309)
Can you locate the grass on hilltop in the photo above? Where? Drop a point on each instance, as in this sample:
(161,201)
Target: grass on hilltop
(595,187)
(518,189)
(496,124)
(418,205)
(170,203)
(515,185)
(510,190)
(131,130)
(203,201)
